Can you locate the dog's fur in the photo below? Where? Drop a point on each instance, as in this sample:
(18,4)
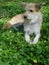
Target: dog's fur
(14,22)
(32,20)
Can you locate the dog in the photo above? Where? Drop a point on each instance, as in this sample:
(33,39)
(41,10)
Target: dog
(31,19)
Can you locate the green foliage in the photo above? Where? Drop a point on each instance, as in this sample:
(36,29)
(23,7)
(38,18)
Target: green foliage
(13,48)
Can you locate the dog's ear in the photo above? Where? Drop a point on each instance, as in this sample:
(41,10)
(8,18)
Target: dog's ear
(39,5)
(23,4)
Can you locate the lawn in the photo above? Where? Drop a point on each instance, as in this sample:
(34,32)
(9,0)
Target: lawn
(13,48)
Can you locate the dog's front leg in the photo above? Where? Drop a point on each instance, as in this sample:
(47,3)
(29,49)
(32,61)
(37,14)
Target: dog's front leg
(27,37)
(35,39)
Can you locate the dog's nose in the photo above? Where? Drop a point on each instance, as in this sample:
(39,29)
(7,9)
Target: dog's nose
(25,17)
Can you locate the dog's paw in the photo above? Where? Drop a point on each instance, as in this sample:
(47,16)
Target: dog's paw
(33,42)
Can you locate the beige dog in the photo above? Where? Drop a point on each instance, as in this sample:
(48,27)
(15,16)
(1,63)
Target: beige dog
(32,20)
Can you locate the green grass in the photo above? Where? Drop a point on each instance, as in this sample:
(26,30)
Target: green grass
(13,48)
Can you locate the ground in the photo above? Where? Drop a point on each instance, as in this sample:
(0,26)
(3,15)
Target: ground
(13,48)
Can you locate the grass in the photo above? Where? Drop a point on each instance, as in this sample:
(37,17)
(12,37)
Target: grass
(13,48)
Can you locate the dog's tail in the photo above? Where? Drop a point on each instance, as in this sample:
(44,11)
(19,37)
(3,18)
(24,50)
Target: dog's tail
(7,25)
(15,20)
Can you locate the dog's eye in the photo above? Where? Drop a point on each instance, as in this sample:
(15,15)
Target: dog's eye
(31,10)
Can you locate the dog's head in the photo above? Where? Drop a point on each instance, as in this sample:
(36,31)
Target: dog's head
(31,8)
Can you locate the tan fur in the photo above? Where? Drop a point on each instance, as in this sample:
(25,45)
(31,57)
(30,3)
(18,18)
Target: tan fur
(32,7)
(15,20)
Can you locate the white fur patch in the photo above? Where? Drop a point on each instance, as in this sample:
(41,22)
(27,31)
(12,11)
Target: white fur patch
(33,26)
